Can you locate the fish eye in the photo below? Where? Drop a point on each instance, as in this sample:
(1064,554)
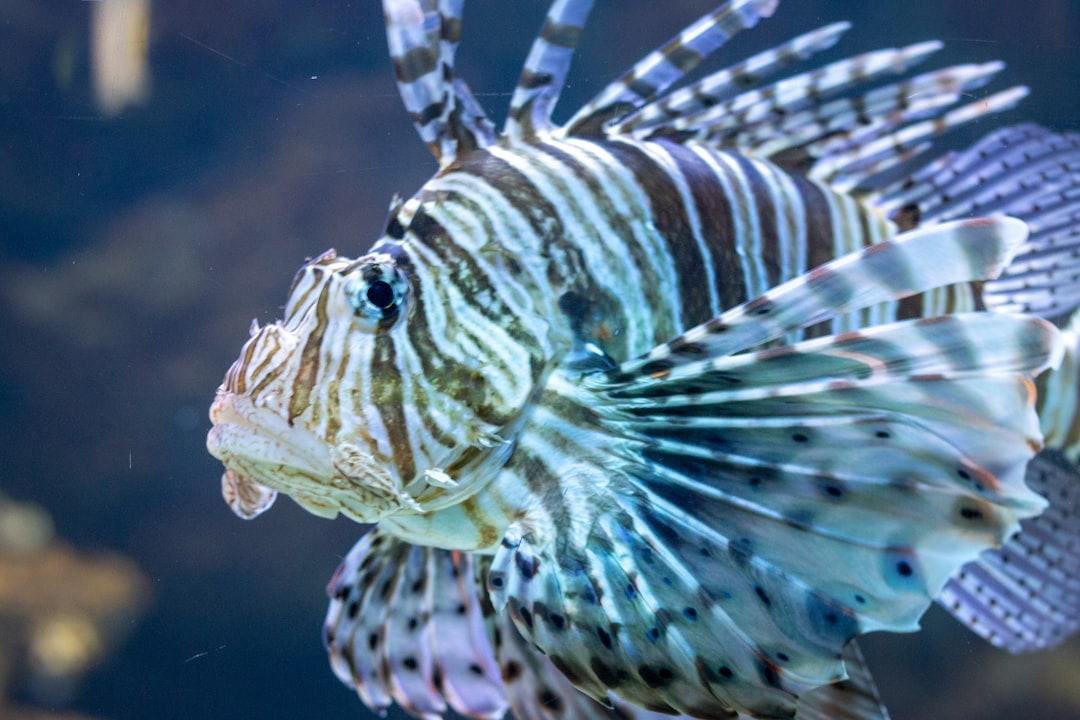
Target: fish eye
(381,294)
(377,291)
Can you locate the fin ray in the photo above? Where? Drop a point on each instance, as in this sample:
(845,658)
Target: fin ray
(423,36)
(405,624)
(544,74)
(660,69)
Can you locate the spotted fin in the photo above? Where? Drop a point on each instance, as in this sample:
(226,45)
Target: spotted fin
(412,625)
(538,691)
(743,531)
(745,514)
(423,36)
(1025,595)
(406,624)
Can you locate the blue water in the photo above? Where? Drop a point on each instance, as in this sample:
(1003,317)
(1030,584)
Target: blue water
(135,250)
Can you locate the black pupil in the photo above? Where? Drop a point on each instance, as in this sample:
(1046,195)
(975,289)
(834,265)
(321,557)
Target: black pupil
(380,294)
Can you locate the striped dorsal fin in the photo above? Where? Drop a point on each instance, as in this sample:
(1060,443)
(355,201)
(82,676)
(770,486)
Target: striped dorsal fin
(843,170)
(662,68)
(423,36)
(545,70)
(849,122)
(724,84)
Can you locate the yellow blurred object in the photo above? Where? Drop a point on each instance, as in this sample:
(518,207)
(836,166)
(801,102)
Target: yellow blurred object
(65,645)
(24,527)
(120,45)
(61,610)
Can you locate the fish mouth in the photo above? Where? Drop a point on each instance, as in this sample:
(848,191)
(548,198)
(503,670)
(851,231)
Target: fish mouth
(263,452)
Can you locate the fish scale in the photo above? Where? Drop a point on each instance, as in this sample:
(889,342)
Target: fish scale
(657,403)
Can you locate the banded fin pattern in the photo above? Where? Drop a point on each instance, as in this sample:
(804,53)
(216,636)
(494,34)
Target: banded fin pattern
(728,566)
(423,36)
(847,122)
(911,263)
(1025,595)
(535,688)
(538,691)
(405,625)
(544,75)
(723,84)
(656,72)
(793,94)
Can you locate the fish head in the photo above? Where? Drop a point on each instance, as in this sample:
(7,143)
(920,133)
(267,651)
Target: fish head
(394,384)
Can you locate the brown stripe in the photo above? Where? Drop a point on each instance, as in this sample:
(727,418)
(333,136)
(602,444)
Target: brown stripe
(767,213)
(414,64)
(386,394)
(240,376)
(424,348)
(450,29)
(819,232)
(623,239)
(334,396)
(683,57)
(276,364)
(564,35)
(671,220)
(459,268)
(533,80)
(308,372)
(819,236)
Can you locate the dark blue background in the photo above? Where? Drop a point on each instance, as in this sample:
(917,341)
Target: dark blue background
(134,251)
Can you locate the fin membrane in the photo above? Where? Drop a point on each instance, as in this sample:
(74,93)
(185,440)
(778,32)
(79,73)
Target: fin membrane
(758,514)
(405,624)
(744,513)
(1025,595)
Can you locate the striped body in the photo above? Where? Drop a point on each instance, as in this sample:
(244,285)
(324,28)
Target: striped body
(701,377)
(640,240)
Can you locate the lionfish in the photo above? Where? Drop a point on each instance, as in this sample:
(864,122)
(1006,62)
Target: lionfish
(652,412)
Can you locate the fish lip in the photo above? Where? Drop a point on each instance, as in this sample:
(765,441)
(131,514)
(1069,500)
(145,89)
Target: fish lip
(260,445)
(263,447)
(268,438)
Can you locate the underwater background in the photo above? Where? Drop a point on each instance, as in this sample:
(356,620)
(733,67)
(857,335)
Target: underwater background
(156,198)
